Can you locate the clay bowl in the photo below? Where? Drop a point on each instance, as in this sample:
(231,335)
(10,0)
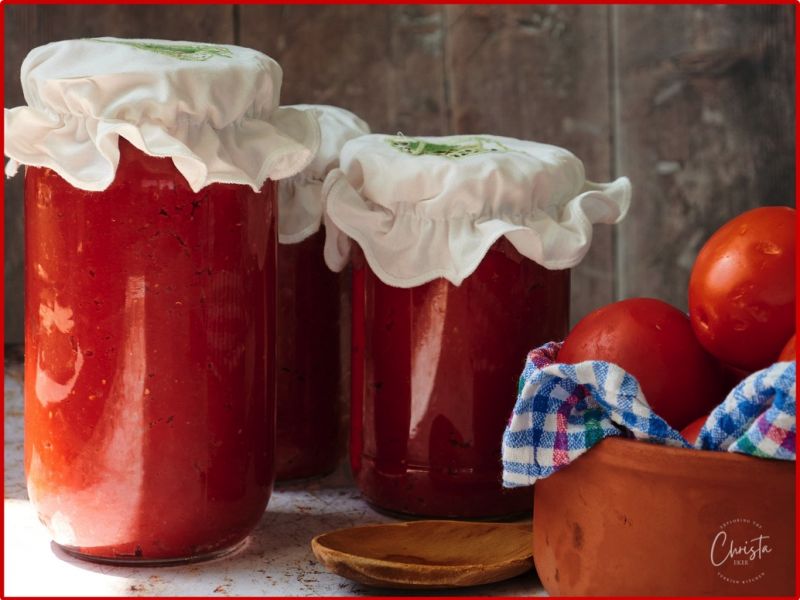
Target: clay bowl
(427,554)
(633,518)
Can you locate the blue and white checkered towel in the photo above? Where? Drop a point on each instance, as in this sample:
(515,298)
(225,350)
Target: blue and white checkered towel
(563,410)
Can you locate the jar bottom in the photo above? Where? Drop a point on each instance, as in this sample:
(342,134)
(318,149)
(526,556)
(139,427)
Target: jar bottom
(132,561)
(396,514)
(440,493)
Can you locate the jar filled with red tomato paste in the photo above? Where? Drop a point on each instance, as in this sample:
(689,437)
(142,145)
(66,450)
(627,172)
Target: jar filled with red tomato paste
(311,301)
(150,291)
(464,246)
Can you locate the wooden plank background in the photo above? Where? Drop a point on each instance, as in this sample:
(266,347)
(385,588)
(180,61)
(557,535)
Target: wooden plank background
(694,103)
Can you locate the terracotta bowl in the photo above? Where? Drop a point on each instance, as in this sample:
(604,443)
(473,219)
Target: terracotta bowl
(633,518)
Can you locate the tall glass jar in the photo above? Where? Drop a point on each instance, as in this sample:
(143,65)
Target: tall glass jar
(311,301)
(150,283)
(461,249)
(149,361)
(435,370)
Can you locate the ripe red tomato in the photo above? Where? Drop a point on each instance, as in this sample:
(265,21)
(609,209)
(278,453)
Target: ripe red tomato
(654,342)
(788,352)
(741,291)
(692,430)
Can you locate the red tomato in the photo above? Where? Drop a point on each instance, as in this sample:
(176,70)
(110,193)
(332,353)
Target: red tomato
(692,430)
(788,350)
(654,342)
(741,291)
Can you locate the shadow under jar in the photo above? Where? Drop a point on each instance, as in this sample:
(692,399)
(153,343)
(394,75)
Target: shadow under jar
(434,373)
(149,381)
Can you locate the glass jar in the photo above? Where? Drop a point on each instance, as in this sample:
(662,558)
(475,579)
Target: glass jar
(311,299)
(434,377)
(463,246)
(309,362)
(149,365)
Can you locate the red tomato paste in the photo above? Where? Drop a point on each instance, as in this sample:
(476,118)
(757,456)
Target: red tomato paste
(435,372)
(149,361)
(309,364)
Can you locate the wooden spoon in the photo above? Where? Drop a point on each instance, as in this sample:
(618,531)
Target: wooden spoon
(427,554)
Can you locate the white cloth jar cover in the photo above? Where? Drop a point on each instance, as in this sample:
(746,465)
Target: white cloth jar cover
(300,197)
(212,108)
(424,208)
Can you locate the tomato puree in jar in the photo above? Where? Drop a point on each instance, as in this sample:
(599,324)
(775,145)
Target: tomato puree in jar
(462,248)
(149,397)
(312,300)
(150,281)
(309,363)
(435,371)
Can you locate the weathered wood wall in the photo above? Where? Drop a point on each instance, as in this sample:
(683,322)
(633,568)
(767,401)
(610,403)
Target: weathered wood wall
(694,103)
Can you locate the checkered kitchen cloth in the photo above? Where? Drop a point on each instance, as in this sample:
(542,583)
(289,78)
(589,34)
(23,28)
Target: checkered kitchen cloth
(563,410)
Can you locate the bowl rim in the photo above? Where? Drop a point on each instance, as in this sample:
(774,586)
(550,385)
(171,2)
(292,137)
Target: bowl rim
(638,454)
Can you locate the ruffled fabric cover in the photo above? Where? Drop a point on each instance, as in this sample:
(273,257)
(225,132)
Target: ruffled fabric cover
(212,108)
(424,208)
(300,197)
